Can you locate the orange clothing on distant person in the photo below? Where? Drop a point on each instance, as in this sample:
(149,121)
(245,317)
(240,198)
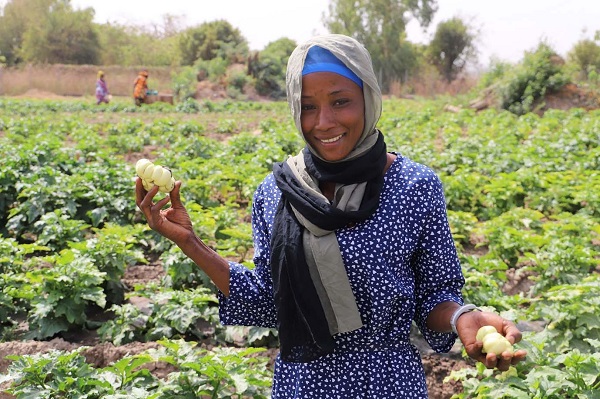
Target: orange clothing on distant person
(140,85)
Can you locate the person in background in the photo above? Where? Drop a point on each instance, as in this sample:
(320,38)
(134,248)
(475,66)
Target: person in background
(351,246)
(102,95)
(140,87)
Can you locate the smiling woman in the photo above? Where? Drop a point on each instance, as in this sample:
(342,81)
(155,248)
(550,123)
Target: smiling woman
(352,244)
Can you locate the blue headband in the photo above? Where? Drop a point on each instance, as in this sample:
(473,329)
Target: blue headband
(319,59)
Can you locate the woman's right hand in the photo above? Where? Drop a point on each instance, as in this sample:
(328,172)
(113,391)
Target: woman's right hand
(174,222)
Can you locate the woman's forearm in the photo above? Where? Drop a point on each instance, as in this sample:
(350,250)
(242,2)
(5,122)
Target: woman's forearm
(439,317)
(214,265)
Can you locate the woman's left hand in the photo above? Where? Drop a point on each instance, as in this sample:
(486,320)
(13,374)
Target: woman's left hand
(467,326)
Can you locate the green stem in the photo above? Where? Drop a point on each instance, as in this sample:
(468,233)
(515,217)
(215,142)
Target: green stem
(216,389)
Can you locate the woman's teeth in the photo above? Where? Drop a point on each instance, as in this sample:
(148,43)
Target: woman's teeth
(333,139)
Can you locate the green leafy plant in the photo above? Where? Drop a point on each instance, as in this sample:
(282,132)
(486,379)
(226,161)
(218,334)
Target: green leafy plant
(543,375)
(222,373)
(54,374)
(540,73)
(65,291)
(170,314)
(112,249)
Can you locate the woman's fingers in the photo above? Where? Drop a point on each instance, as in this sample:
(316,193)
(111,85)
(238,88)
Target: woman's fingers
(156,208)
(175,197)
(140,192)
(144,199)
(518,356)
(511,332)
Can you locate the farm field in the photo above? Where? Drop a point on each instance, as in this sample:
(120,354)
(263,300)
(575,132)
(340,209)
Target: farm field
(94,304)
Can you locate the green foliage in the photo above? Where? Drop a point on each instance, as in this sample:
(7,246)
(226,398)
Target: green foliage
(65,291)
(112,250)
(59,180)
(56,229)
(219,373)
(268,67)
(52,31)
(571,310)
(485,275)
(16,289)
(544,374)
(586,55)
(461,225)
(181,271)
(451,47)
(171,314)
(237,82)
(61,35)
(184,83)
(128,45)
(70,375)
(188,106)
(15,19)
(523,194)
(496,70)
(539,73)
(213,69)
(211,40)
(513,233)
(381,27)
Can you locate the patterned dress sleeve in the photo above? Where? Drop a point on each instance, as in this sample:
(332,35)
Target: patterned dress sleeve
(250,301)
(437,269)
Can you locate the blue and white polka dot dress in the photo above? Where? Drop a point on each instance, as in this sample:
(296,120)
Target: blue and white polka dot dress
(401,263)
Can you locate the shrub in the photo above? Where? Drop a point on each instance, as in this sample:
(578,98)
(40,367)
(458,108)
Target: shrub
(268,68)
(184,83)
(539,73)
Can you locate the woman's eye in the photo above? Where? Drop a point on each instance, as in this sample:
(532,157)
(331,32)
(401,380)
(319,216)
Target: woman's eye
(306,107)
(341,101)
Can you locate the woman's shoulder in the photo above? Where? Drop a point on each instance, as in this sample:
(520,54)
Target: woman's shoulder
(412,179)
(405,168)
(267,189)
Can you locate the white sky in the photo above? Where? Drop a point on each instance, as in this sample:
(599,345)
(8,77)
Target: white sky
(507,28)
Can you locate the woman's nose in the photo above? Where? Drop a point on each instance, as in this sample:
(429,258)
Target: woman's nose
(325,118)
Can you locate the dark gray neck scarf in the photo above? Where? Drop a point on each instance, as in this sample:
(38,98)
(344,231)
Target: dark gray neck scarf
(305,316)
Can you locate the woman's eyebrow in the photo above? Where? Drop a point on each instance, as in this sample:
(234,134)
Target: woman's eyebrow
(333,93)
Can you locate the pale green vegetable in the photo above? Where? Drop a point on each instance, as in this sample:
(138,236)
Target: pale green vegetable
(152,175)
(141,165)
(485,330)
(496,343)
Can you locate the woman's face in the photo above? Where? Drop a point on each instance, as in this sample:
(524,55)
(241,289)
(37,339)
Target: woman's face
(332,114)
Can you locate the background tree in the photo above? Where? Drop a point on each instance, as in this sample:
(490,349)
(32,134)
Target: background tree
(522,88)
(268,67)
(585,54)
(64,36)
(130,45)
(381,26)
(211,40)
(451,47)
(15,18)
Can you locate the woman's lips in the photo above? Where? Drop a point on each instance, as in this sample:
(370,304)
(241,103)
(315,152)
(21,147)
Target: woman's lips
(331,140)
